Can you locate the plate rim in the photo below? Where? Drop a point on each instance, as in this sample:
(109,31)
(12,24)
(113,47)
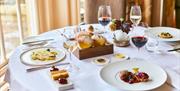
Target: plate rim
(100,73)
(40,64)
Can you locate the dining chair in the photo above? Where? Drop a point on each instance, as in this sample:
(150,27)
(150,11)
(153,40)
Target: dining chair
(118,9)
(3,84)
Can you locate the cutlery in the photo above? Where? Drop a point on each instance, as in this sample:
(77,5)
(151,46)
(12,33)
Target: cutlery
(43,67)
(176,49)
(38,41)
(164,51)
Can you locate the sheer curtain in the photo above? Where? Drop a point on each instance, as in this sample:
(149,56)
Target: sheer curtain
(45,15)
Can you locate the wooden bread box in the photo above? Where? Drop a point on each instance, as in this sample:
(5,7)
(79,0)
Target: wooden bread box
(93,52)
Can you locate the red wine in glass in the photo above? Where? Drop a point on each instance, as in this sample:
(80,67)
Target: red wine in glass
(104,20)
(139,41)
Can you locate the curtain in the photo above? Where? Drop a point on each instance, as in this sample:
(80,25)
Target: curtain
(146,7)
(53,14)
(92,6)
(155,12)
(169,13)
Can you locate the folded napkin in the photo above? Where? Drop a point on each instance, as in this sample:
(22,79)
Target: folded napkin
(173,78)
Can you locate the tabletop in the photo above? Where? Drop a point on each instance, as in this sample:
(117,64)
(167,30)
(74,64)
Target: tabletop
(88,78)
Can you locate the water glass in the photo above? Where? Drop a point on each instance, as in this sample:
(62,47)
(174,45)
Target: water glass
(152,45)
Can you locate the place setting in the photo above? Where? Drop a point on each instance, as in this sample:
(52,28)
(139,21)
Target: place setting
(60,72)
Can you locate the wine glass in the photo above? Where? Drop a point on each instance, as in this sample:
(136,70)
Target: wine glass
(139,41)
(152,45)
(135,15)
(137,37)
(70,45)
(104,15)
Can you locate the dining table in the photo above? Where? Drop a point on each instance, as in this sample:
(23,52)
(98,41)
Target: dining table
(88,76)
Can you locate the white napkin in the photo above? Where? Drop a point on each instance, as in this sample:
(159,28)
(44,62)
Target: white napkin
(173,78)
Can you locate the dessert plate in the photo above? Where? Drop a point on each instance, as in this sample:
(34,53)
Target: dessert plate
(110,74)
(27,60)
(155,31)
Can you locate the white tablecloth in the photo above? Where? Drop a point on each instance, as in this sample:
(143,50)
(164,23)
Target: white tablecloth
(88,79)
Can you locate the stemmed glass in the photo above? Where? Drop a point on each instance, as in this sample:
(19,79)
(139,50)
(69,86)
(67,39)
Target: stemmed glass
(104,15)
(139,41)
(135,15)
(152,45)
(70,44)
(138,38)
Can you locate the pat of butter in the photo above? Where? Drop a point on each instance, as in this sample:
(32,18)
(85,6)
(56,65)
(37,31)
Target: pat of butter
(119,55)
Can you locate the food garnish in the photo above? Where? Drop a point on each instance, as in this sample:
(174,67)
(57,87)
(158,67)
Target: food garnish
(136,70)
(53,68)
(62,81)
(48,50)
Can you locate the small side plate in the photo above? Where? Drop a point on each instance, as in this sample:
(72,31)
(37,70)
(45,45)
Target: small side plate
(101,63)
(119,57)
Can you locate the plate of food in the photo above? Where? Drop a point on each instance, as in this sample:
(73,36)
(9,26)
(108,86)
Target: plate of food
(164,33)
(42,56)
(133,75)
(61,78)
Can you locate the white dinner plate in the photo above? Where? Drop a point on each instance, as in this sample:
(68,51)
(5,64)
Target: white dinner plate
(26,57)
(110,74)
(155,31)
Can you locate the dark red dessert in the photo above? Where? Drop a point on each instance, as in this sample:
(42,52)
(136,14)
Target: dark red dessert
(62,80)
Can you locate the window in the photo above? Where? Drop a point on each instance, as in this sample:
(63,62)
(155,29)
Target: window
(9,22)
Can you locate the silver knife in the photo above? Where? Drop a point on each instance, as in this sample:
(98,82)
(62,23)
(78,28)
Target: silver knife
(38,41)
(176,49)
(44,67)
